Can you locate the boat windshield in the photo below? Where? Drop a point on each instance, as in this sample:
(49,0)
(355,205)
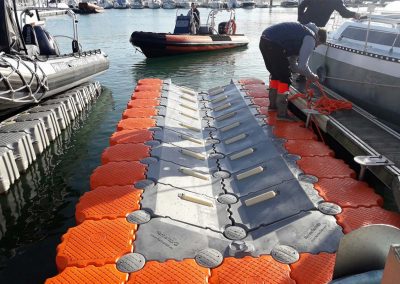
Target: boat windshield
(374,36)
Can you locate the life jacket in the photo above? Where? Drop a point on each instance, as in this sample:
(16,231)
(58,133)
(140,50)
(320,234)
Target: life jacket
(289,36)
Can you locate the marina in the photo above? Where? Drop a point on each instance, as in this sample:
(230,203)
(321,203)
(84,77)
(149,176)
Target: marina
(180,174)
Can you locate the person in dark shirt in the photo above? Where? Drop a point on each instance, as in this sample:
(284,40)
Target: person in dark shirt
(196,15)
(286,47)
(319,11)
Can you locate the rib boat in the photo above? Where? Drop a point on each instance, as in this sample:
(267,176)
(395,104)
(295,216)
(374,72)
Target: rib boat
(187,38)
(361,61)
(31,65)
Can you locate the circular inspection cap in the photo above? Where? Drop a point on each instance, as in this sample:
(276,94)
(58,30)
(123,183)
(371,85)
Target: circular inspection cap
(329,208)
(149,160)
(227,199)
(212,141)
(144,184)
(138,217)
(308,178)
(221,174)
(285,254)
(208,258)
(131,262)
(216,156)
(152,143)
(235,233)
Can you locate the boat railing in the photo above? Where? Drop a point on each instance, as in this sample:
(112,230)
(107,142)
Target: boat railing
(214,12)
(27,16)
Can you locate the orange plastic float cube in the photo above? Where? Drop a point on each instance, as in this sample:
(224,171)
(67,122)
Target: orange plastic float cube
(325,167)
(261,102)
(251,81)
(106,274)
(140,88)
(125,152)
(131,136)
(108,202)
(257,93)
(150,81)
(147,112)
(308,148)
(136,123)
(143,103)
(313,268)
(152,95)
(353,218)
(293,131)
(347,192)
(171,271)
(263,269)
(117,173)
(95,242)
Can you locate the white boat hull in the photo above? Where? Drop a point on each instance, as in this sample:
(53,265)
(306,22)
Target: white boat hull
(53,76)
(371,82)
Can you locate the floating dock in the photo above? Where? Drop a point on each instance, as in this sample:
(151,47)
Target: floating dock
(210,188)
(25,136)
(361,134)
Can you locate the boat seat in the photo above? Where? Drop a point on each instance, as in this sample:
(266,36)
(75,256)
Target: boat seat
(39,37)
(182,25)
(205,30)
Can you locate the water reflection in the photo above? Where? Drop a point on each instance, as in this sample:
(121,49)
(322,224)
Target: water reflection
(41,204)
(197,70)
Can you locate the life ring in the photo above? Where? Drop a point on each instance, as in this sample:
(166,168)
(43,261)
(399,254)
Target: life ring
(230,27)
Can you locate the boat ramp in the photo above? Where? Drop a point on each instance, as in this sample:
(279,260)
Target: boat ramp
(209,187)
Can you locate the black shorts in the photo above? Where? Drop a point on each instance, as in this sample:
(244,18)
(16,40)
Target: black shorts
(275,60)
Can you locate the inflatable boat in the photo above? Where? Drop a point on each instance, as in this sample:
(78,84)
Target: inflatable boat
(190,37)
(31,65)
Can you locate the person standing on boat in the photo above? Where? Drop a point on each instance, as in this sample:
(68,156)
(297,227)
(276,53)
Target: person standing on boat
(319,11)
(286,48)
(194,12)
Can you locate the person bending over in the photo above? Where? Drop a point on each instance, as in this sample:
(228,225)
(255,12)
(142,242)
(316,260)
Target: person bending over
(286,48)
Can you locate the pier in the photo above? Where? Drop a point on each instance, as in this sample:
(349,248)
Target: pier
(209,187)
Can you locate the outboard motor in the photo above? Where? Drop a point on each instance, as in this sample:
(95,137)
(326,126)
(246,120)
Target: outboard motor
(36,35)
(221,28)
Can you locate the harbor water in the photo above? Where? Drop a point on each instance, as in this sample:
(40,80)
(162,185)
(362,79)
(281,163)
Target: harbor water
(40,207)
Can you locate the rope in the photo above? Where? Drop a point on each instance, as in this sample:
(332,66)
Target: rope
(323,105)
(34,86)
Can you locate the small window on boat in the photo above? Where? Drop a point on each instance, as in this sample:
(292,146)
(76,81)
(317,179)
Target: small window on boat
(375,36)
